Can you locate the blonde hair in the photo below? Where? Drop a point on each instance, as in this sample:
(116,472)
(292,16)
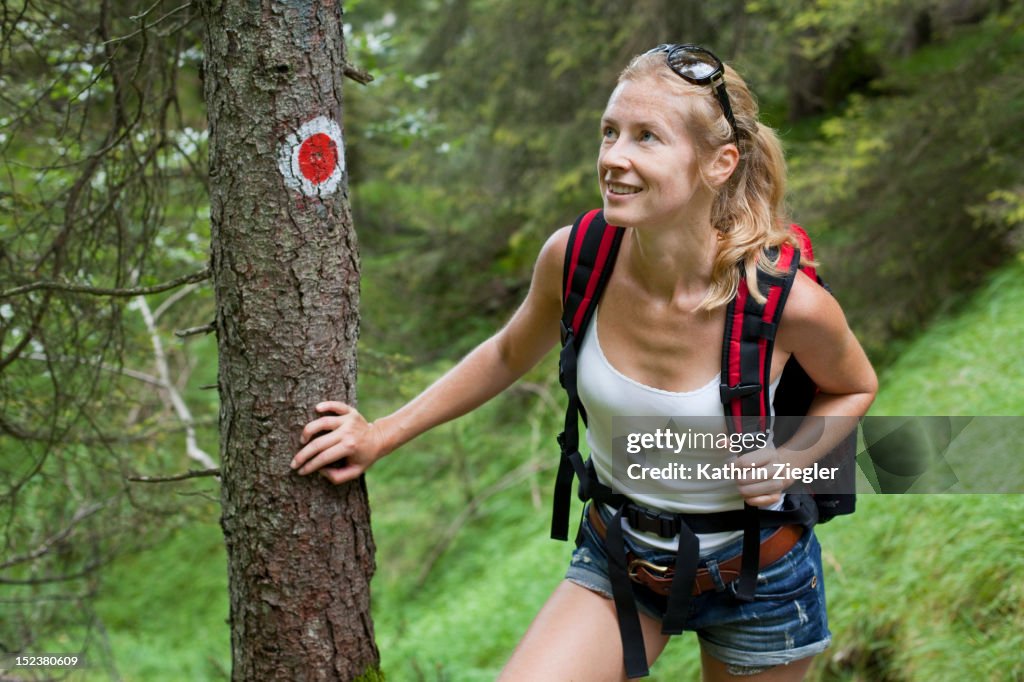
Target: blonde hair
(748,209)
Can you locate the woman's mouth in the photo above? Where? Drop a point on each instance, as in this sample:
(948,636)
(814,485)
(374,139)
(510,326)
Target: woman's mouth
(621,190)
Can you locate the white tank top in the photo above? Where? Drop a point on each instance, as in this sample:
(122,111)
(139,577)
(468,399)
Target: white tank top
(605,392)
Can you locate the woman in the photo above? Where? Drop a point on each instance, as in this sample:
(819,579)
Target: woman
(685,166)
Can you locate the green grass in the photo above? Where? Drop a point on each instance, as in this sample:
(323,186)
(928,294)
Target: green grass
(967,363)
(926,588)
(164,612)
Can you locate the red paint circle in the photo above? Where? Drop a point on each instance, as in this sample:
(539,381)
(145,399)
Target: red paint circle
(318,157)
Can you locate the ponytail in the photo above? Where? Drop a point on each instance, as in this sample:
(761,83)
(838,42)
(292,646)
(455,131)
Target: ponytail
(749,210)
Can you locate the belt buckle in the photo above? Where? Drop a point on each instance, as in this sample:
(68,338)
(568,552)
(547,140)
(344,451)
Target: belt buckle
(631,569)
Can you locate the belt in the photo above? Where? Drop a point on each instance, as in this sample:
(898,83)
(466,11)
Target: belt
(659,578)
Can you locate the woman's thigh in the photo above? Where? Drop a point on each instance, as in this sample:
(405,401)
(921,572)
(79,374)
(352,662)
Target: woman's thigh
(576,637)
(714,670)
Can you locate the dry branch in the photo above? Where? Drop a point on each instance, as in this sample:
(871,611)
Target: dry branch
(191,473)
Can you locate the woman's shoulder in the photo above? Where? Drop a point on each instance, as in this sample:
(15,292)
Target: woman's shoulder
(552,255)
(558,241)
(811,315)
(546,285)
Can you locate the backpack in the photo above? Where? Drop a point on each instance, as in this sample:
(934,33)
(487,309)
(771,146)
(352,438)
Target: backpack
(746,354)
(744,390)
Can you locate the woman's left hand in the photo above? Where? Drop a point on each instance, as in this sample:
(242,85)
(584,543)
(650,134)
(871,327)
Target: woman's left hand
(764,488)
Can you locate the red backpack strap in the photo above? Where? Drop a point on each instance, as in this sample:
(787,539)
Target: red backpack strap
(750,329)
(806,250)
(589,259)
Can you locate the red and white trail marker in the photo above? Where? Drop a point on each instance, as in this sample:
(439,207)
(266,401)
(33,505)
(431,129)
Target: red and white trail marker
(312,159)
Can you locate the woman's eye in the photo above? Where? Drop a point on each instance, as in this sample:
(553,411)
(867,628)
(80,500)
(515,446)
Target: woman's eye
(647,136)
(608,133)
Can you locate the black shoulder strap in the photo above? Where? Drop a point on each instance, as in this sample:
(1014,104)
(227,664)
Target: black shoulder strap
(793,397)
(589,259)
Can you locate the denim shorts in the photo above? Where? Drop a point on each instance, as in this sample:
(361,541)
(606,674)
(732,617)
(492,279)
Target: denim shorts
(785,622)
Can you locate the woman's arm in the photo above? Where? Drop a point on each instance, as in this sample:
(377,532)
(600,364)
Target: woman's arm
(486,371)
(814,330)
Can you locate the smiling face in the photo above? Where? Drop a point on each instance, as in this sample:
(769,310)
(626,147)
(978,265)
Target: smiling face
(647,166)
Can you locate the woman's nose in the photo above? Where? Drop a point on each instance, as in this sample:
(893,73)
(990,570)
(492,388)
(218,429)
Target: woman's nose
(614,157)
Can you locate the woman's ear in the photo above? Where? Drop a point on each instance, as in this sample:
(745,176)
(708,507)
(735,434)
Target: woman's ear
(722,165)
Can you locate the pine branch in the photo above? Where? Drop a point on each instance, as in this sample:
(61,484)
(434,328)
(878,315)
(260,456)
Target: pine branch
(102,291)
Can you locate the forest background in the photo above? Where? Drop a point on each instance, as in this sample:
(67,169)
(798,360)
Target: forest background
(477,138)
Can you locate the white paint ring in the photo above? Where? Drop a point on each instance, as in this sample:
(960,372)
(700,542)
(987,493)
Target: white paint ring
(312,159)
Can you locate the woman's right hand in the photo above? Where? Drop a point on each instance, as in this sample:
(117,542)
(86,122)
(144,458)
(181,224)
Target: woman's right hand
(341,445)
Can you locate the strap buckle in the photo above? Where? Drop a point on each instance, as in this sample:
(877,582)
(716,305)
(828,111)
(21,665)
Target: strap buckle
(729,393)
(650,521)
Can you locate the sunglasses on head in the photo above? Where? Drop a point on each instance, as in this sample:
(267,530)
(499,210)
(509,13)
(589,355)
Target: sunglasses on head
(701,67)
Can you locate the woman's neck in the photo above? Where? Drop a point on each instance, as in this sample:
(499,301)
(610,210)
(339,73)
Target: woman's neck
(674,264)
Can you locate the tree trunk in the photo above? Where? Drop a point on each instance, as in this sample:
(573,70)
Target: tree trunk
(286,275)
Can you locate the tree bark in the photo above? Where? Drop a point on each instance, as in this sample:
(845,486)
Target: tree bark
(286,276)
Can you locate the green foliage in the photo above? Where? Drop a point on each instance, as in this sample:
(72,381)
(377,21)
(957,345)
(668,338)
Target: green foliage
(371,675)
(918,189)
(162,618)
(924,588)
(816,30)
(103,186)
(483,145)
